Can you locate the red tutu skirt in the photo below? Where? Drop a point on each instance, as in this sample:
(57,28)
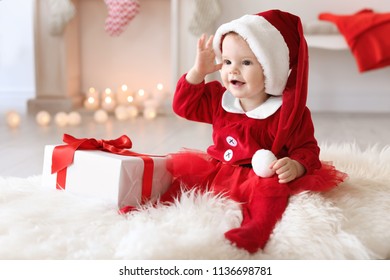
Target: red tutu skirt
(195,169)
(262,200)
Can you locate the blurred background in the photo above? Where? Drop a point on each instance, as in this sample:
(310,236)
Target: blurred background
(156,46)
(96,69)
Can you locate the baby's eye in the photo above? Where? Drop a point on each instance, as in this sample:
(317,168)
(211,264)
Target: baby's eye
(227,62)
(247,62)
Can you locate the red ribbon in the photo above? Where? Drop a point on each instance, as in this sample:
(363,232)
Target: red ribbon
(63,157)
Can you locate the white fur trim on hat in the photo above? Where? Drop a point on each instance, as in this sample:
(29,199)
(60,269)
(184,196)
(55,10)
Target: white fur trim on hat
(268,45)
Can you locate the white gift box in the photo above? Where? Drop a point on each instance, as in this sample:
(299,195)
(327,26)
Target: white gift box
(108,176)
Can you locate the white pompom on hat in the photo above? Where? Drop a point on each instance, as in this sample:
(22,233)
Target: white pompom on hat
(276,38)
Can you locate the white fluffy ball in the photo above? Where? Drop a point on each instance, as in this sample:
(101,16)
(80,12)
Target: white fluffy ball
(261,161)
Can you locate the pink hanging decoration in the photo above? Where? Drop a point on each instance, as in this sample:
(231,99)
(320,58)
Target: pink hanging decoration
(120,13)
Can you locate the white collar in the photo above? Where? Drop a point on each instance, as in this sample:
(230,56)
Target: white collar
(268,108)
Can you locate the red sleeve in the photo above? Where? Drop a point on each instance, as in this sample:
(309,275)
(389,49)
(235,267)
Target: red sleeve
(197,102)
(302,145)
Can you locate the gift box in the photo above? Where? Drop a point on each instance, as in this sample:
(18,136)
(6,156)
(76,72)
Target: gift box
(101,174)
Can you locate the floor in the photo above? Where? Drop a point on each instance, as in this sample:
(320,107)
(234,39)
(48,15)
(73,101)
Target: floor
(22,148)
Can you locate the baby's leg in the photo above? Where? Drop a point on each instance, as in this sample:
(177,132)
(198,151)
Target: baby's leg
(259,218)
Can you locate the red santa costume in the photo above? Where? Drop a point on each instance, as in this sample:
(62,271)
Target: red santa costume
(282,125)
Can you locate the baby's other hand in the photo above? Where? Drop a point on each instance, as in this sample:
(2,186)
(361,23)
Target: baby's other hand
(287,169)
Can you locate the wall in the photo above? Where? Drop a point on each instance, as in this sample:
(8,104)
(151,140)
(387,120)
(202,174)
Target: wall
(306,9)
(139,57)
(334,82)
(17,82)
(142,56)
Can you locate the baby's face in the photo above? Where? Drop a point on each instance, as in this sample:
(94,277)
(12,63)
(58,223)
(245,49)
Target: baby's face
(241,72)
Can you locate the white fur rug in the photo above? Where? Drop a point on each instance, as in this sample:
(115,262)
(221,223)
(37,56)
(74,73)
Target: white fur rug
(350,222)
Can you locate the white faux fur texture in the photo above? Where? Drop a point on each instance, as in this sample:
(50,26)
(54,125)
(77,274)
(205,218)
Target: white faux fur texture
(350,222)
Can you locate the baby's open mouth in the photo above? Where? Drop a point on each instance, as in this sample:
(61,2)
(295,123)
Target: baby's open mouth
(236,82)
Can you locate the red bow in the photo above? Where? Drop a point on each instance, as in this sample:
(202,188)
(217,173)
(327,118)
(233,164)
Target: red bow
(63,157)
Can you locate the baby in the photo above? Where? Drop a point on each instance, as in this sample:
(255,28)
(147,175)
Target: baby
(259,106)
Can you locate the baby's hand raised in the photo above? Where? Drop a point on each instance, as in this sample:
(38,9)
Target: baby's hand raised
(204,62)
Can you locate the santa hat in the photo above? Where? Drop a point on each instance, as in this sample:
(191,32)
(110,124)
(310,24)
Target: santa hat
(276,38)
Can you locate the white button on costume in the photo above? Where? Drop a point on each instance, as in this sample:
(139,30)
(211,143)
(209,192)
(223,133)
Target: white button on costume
(231,141)
(228,155)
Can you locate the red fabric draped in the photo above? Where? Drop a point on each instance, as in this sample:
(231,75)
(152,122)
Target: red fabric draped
(367,35)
